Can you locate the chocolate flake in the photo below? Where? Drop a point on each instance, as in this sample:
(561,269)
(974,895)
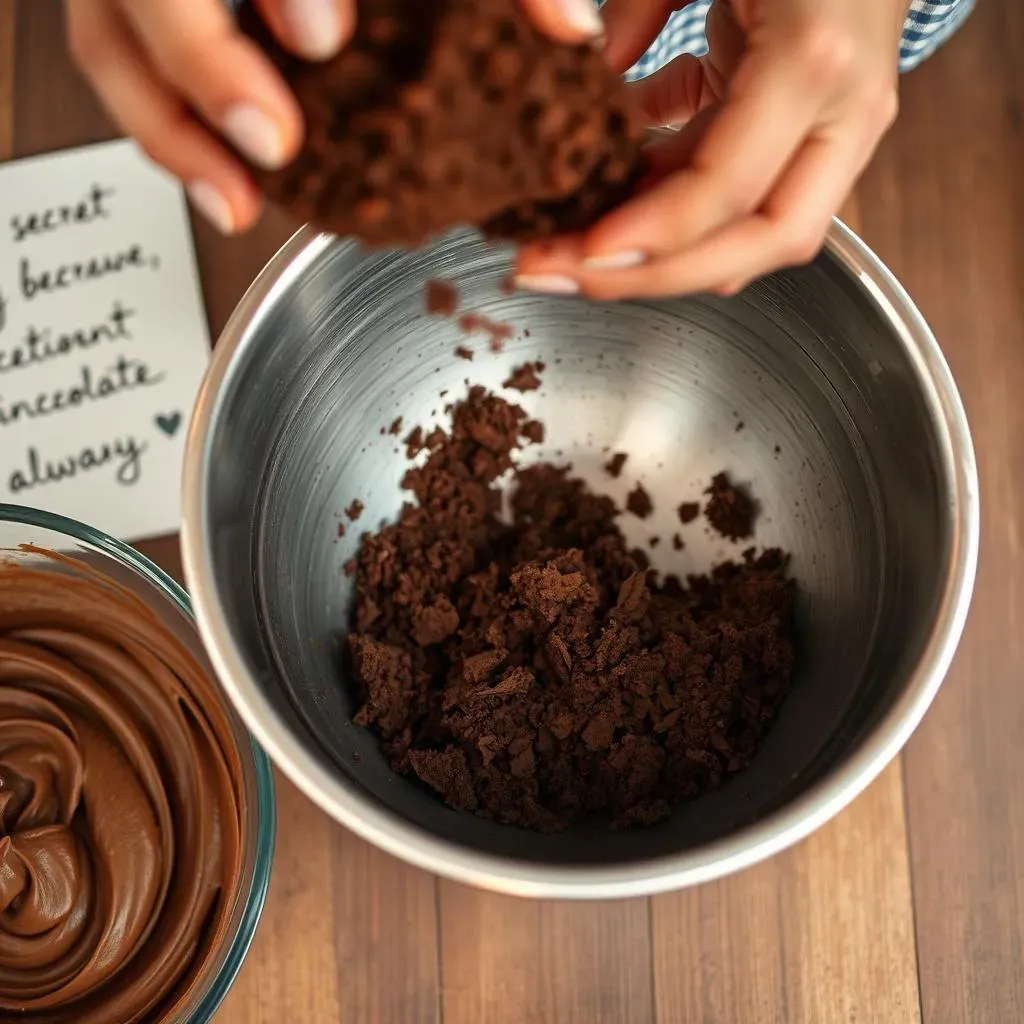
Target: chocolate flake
(613,467)
(638,501)
(442,298)
(730,511)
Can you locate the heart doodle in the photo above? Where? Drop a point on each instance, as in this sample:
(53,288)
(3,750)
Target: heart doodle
(169,422)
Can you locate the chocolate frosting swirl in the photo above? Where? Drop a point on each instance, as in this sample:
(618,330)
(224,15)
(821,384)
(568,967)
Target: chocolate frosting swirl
(119,803)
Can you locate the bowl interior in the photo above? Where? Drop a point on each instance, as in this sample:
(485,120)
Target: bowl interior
(837,444)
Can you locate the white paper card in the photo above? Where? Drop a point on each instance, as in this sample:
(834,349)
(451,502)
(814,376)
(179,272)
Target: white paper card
(103,338)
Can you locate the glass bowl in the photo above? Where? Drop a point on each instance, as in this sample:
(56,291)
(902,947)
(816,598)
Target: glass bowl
(28,526)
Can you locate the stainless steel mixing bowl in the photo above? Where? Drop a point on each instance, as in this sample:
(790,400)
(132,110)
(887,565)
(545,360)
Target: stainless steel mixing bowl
(853,440)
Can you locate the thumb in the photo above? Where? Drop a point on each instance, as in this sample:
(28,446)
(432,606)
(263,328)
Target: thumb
(565,21)
(312,29)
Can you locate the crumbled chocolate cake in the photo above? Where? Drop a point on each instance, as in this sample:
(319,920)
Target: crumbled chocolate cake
(453,112)
(442,298)
(730,510)
(525,377)
(688,511)
(533,671)
(638,501)
(499,333)
(613,467)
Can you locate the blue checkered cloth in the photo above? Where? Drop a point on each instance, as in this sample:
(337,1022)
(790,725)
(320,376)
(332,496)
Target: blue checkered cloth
(928,25)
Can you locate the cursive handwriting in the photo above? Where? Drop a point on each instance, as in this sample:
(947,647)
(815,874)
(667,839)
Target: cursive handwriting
(91,208)
(39,346)
(125,375)
(45,282)
(124,454)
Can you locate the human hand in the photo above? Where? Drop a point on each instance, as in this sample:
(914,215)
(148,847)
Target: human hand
(782,115)
(181,78)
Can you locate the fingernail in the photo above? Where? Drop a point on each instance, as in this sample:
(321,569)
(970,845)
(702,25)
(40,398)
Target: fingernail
(315,27)
(210,202)
(728,291)
(616,260)
(255,135)
(581,15)
(553,284)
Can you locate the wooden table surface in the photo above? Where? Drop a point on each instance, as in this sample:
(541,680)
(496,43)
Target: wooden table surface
(910,905)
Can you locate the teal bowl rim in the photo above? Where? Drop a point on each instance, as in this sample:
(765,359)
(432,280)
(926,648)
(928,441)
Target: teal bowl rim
(266,807)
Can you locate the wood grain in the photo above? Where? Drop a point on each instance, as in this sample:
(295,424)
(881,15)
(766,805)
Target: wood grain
(8,13)
(910,906)
(850,213)
(385,936)
(943,204)
(293,962)
(821,934)
(348,933)
(508,960)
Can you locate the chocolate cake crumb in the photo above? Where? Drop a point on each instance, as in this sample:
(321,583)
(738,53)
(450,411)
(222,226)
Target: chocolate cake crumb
(613,467)
(442,298)
(532,670)
(654,542)
(464,353)
(341,529)
(677,542)
(638,501)
(414,442)
(525,377)
(396,426)
(740,426)
(730,511)
(499,333)
(447,771)
(355,510)
(688,511)
(453,112)
(533,431)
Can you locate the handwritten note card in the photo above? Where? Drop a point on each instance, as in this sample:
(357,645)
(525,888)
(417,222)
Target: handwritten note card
(103,339)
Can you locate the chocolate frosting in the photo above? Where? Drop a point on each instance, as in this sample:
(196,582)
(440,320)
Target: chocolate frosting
(119,803)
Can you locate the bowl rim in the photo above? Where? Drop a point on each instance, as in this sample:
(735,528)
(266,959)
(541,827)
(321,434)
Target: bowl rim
(783,827)
(203,1004)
